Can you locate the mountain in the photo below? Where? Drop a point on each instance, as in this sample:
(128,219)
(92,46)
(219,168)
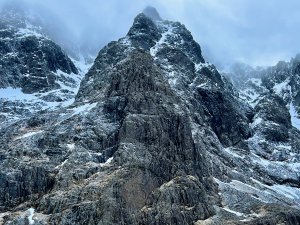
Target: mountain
(281,80)
(48,23)
(36,73)
(156,135)
(29,60)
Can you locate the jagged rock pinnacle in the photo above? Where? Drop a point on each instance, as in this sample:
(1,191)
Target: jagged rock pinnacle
(152,13)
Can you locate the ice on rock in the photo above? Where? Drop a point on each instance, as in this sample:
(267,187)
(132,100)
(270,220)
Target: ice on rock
(29,134)
(83,109)
(167,33)
(30,216)
(71,146)
(256,122)
(108,161)
(294,116)
(234,212)
(278,88)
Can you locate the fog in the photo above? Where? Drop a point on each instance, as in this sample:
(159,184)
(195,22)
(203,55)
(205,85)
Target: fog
(258,33)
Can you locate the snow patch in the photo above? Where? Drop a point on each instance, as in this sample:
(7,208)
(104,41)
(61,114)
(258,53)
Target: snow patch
(199,66)
(203,85)
(233,212)
(232,153)
(71,146)
(62,164)
(262,162)
(288,147)
(108,161)
(16,94)
(294,117)
(30,217)
(30,30)
(83,109)
(289,192)
(162,40)
(256,122)
(29,134)
(13,94)
(126,41)
(251,96)
(278,88)
(82,65)
(256,81)
(243,187)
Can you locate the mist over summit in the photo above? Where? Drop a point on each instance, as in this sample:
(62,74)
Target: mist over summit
(152,13)
(246,32)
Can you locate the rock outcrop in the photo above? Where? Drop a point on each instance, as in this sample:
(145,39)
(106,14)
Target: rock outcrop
(156,135)
(29,60)
(36,74)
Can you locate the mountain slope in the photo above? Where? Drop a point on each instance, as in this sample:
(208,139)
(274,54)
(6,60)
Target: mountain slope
(155,136)
(36,73)
(29,59)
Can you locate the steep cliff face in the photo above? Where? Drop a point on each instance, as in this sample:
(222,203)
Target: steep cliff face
(36,74)
(29,60)
(155,136)
(272,92)
(274,146)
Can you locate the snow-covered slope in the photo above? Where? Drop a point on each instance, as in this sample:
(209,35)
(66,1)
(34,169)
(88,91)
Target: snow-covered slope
(36,74)
(273,149)
(281,80)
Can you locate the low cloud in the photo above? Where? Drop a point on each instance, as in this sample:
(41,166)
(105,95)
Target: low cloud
(257,33)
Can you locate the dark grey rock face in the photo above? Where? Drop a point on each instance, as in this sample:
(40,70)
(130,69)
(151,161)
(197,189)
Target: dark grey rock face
(274,144)
(229,123)
(155,136)
(35,72)
(144,33)
(23,184)
(180,201)
(272,108)
(31,62)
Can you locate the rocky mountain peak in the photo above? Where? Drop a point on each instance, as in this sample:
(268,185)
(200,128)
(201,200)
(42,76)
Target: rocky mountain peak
(164,38)
(155,136)
(29,57)
(35,72)
(152,13)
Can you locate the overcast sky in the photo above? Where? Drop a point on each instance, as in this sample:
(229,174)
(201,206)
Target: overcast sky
(257,32)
